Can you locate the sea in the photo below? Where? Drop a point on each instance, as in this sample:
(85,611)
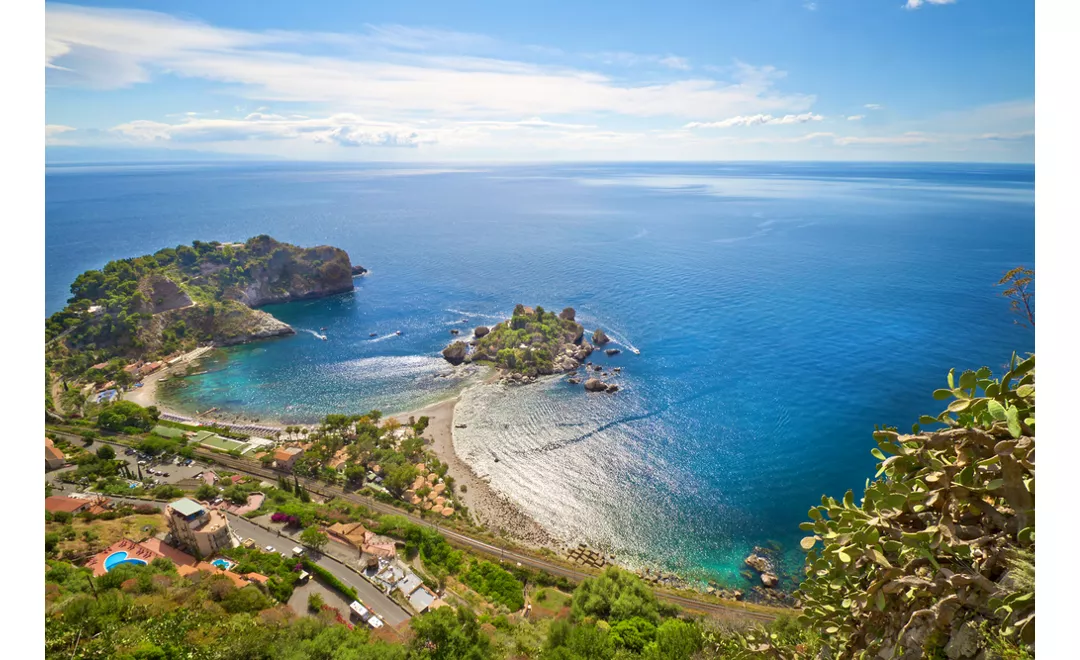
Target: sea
(769,315)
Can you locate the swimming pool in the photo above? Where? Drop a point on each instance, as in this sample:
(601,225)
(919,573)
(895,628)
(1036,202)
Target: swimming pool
(121,557)
(223,563)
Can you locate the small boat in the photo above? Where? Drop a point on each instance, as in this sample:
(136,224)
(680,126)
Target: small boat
(397,332)
(323,329)
(322,337)
(373,334)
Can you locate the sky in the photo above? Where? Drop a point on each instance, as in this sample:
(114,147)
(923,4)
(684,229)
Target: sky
(911,80)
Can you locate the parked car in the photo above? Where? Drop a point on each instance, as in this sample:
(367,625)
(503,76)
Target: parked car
(297,552)
(189,462)
(269,548)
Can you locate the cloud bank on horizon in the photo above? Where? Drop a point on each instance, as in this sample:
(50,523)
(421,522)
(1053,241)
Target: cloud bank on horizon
(135,78)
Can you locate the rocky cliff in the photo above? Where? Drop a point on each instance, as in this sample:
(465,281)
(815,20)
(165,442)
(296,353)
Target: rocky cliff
(283,273)
(177,298)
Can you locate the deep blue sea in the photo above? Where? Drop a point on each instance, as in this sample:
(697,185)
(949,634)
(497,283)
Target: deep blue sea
(781,310)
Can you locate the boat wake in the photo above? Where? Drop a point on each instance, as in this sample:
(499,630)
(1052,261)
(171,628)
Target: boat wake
(385,337)
(478,314)
(313,334)
(616,338)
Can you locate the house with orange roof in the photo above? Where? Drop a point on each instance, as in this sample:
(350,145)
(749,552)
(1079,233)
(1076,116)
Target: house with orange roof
(59,503)
(285,458)
(54,458)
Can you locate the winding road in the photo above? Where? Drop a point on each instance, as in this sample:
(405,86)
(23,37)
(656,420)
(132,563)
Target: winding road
(724,609)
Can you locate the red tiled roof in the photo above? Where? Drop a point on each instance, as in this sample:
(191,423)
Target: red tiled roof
(60,503)
(179,558)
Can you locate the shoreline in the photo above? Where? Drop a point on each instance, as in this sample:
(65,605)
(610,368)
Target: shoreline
(496,512)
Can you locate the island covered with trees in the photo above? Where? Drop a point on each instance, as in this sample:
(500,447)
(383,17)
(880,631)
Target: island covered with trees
(532,342)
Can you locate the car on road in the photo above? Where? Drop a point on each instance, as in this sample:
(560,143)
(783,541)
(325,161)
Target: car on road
(297,552)
(188,462)
(269,548)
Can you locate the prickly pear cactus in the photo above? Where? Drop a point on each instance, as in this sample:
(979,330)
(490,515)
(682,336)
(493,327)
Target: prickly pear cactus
(932,550)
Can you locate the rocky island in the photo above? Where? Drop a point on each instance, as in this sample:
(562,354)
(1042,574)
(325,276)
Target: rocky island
(206,293)
(531,343)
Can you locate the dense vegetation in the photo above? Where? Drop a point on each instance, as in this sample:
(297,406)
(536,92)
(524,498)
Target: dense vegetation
(155,305)
(542,334)
(939,555)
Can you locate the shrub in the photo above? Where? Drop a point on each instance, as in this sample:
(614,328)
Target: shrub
(929,547)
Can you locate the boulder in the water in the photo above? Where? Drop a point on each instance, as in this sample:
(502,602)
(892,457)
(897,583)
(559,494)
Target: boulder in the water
(455,353)
(595,385)
(454,331)
(481,331)
(612,351)
(599,338)
(567,314)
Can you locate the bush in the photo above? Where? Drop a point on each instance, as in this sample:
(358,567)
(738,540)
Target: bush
(495,584)
(315,602)
(889,569)
(330,579)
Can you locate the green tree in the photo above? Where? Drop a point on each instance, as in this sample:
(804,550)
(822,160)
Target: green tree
(125,414)
(106,453)
(314,538)
(444,634)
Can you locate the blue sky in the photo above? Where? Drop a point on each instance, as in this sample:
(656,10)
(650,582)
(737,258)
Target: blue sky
(432,81)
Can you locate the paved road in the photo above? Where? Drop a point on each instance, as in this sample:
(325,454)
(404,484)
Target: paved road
(387,610)
(722,610)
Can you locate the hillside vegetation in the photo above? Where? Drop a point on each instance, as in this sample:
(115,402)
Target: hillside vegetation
(155,305)
(533,342)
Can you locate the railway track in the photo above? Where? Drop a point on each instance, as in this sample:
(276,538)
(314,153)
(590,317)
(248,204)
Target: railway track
(723,610)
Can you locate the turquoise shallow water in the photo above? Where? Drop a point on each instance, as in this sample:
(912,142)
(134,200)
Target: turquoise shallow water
(781,311)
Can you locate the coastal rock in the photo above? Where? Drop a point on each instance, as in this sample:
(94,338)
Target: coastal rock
(595,385)
(612,351)
(455,353)
(250,325)
(612,387)
(597,367)
(481,331)
(286,272)
(358,270)
(454,331)
(759,563)
(599,338)
(568,313)
(573,380)
(769,580)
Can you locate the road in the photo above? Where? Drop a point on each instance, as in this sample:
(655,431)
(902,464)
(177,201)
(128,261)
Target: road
(712,608)
(387,610)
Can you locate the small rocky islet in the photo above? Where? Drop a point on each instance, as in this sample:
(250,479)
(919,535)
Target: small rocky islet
(535,342)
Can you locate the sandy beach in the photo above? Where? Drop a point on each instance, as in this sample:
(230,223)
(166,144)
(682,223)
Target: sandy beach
(487,507)
(147,394)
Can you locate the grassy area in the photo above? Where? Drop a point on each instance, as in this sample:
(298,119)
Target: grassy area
(549,603)
(167,431)
(208,439)
(74,539)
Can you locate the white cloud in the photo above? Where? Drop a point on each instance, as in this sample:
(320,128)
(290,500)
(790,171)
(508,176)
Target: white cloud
(810,6)
(343,129)
(874,106)
(52,131)
(856,117)
(915,4)
(757,120)
(105,48)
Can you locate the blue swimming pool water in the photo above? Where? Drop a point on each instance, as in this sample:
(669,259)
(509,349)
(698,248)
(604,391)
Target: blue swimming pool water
(222,563)
(117,558)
